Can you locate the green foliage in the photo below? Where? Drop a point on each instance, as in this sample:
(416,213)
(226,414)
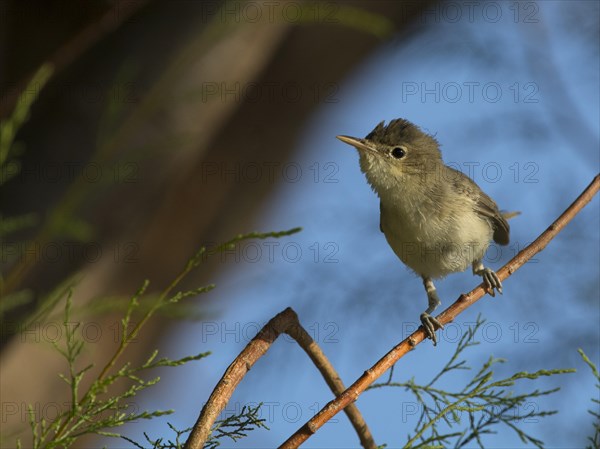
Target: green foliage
(60,221)
(233,427)
(10,167)
(160,443)
(594,439)
(364,20)
(100,408)
(95,411)
(484,403)
(11,225)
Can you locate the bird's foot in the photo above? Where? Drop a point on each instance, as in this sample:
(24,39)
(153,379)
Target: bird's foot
(430,325)
(490,279)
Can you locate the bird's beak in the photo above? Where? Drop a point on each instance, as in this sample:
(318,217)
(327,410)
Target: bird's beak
(359,144)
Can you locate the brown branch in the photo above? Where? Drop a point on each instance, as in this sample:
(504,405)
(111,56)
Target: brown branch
(298,333)
(284,322)
(448,315)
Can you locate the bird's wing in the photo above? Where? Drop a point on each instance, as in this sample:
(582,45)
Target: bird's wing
(484,206)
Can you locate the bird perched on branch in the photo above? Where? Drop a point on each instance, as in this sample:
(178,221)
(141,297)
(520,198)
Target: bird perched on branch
(436,219)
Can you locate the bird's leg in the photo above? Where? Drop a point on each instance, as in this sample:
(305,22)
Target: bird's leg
(490,278)
(430,323)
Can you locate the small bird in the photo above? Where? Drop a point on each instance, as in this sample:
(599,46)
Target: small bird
(436,219)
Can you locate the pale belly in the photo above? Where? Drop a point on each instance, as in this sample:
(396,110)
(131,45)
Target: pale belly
(434,247)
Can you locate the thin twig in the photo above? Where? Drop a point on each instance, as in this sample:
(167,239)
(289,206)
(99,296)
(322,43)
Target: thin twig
(298,333)
(284,322)
(448,315)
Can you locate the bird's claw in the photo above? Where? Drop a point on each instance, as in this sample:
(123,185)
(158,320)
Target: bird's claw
(491,281)
(430,325)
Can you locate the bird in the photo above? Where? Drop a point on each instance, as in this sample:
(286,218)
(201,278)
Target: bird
(436,219)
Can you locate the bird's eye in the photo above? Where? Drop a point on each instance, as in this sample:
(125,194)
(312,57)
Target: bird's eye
(398,152)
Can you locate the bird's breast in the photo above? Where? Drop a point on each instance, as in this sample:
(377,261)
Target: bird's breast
(434,241)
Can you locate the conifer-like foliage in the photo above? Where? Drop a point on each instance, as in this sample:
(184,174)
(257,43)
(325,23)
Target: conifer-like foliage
(102,407)
(464,416)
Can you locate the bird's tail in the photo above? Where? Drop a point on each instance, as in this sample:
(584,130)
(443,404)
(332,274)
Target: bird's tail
(509,215)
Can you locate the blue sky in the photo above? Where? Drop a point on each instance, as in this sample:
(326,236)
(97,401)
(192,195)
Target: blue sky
(515,104)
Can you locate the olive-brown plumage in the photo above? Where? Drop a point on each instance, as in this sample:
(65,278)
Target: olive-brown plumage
(436,219)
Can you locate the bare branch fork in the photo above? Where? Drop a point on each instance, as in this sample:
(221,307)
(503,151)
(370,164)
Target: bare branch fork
(284,322)
(287,322)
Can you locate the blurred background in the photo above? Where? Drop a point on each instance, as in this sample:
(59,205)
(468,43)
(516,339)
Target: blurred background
(165,126)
